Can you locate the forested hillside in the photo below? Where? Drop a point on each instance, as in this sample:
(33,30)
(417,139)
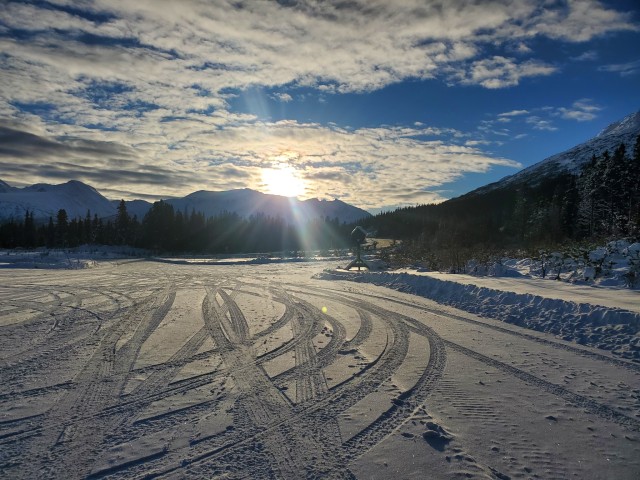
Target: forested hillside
(601,201)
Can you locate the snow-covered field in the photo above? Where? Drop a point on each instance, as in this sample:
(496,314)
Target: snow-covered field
(148,369)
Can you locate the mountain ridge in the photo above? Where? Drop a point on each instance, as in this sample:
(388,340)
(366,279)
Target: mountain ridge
(44,200)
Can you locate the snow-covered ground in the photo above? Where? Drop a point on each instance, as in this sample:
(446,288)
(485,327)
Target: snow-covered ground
(87,256)
(616,264)
(610,297)
(606,318)
(148,369)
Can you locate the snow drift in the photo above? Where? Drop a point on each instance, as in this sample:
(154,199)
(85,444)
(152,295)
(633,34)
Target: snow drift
(616,330)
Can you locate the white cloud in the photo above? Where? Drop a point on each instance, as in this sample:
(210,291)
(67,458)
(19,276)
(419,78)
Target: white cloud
(580,20)
(513,113)
(582,110)
(345,47)
(587,56)
(523,48)
(337,162)
(475,143)
(283,97)
(501,72)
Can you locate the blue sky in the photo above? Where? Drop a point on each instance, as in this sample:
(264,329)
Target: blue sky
(377,103)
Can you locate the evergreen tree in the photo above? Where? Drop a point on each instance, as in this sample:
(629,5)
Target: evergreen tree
(122,225)
(633,176)
(88,229)
(616,190)
(158,228)
(51,234)
(569,209)
(29,230)
(62,226)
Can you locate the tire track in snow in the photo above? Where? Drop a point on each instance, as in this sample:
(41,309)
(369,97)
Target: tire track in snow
(65,333)
(276,428)
(260,401)
(576,399)
(521,334)
(339,399)
(290,448)
(67,447)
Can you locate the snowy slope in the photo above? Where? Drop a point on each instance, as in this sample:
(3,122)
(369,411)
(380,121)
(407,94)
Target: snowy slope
(5,187)
(334,208)
(44,201)
(624,131)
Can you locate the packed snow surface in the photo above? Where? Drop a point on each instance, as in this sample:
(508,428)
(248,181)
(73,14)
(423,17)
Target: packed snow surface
(146,369)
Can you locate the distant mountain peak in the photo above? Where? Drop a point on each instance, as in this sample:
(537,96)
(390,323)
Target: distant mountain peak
(247,202)
(44,200)
(5,187)
(573,160)
(629,124)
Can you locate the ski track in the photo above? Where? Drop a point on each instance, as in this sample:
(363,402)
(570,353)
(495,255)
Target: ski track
(277,433)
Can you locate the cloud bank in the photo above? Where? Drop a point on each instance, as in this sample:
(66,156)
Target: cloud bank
(135,96)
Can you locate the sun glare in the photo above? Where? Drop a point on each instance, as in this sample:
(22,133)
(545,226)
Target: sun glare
(283,180)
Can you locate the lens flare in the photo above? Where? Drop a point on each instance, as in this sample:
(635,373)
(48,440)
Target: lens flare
(283,180)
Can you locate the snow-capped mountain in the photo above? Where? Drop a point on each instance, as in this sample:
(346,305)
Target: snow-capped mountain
(247,202)
(571,161)
(44,201)
(4,187)
(76,198)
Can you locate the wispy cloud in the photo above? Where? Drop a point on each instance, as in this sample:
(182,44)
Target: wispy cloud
(538,118)
(624,69)
(513,113)
(540,124)
(587,56)
(581,110)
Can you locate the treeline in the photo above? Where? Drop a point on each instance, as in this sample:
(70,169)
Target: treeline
(65,232)
(163,229)
(166,229)
(601,202)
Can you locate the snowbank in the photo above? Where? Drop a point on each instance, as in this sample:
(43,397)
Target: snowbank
(597,326)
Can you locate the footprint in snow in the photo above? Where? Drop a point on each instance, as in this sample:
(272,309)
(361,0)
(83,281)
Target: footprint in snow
(436,436)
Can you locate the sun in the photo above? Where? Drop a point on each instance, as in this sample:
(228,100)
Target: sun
(283,180)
